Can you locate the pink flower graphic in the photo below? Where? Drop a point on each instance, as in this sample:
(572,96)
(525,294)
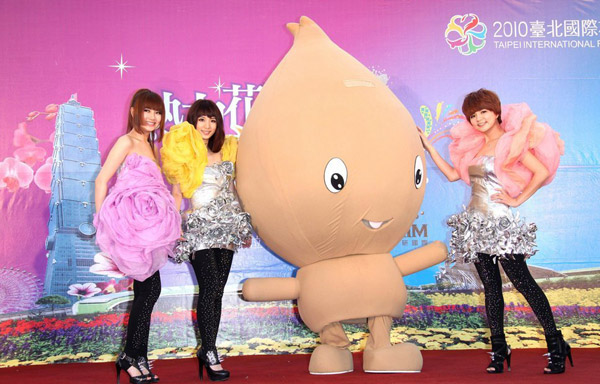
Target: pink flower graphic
(43,176)
(30,154)
(51,108)
(83,290)
(104,265)
(15,174)
(20,137)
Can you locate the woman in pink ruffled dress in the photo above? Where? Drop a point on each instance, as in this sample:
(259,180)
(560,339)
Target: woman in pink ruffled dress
(137,223)
(505,155)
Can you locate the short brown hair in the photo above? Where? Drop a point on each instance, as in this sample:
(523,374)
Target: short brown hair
(208,108)
(145,98)
(481,99)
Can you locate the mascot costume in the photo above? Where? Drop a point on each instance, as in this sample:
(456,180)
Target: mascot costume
(331,168)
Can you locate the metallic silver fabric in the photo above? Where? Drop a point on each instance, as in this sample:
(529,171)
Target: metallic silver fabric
(216,220)
(486,226)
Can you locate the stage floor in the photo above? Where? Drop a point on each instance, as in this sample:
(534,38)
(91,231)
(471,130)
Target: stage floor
(464,366)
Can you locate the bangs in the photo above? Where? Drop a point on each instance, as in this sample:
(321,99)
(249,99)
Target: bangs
(208,109)
(153,101)
(481,99)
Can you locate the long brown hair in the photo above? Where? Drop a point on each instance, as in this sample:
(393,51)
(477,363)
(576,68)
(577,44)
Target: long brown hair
(145,98)
(208,108)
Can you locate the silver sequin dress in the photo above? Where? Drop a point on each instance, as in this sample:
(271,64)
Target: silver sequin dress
(216,220)
(486,226)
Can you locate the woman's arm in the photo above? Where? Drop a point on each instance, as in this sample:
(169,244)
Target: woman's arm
(540,174)
(177,195)
(449,171)
(115,158)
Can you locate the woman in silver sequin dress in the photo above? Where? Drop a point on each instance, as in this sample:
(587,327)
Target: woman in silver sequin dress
(198,159)
(502,174)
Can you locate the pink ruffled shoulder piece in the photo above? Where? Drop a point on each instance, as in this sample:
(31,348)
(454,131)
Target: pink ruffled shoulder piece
(523,133)
(138,225)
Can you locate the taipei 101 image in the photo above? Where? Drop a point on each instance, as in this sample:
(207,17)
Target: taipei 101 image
(75,165)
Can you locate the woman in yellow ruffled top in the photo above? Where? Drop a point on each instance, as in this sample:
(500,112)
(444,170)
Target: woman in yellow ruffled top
(199,160)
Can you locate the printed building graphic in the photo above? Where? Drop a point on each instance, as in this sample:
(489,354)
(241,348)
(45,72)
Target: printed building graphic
(76,163)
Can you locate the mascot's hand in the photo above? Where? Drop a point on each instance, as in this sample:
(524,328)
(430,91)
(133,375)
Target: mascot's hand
(421,258)
(271,289)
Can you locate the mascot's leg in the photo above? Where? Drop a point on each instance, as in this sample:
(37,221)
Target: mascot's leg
(332,356)
(382,357)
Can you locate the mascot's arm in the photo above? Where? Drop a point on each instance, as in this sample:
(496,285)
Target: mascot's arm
(271,289)
(421,258)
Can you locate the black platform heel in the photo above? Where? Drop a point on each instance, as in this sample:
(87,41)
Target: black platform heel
(125,362)
(500,352)
(205,360)
(558,351)
(145,366)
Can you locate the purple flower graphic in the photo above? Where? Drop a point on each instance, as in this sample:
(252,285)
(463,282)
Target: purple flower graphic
(83,290)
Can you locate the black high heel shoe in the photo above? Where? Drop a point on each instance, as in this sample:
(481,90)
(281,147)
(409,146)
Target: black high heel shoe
(500,352)
(125,362)
(145,366)
(206,359)
(558,351)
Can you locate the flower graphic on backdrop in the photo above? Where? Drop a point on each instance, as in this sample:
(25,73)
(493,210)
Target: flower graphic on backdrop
(18,172)
(30,155)
(104,265)
(83,290)
(466,33)
(43,176)
(114,286)
(14,174)
(438,126)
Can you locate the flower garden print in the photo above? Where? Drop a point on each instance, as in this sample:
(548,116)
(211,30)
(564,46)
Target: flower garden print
(433,320)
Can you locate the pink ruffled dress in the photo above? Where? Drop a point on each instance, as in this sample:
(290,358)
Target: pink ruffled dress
(138,225)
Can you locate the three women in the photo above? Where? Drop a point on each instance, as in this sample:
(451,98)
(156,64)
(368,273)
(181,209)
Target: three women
(505,163)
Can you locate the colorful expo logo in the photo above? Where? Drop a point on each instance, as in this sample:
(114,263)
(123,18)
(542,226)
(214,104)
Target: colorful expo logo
(466,33)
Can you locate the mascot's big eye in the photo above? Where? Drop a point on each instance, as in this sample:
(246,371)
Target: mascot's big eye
(418,172)
(336,175)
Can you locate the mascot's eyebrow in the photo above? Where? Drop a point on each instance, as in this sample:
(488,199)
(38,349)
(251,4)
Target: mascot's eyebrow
(358,83)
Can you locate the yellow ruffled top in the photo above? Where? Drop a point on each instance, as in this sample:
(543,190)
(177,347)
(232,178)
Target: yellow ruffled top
(184,156)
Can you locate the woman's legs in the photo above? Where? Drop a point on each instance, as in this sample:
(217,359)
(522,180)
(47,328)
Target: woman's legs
(145,295)
(489,273)
(519,275)
(211,267)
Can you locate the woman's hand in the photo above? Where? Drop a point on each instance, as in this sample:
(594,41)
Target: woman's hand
(504,198)
(424,140)
(448,170)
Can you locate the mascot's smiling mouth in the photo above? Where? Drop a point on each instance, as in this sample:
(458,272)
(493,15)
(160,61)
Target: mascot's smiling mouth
(375,224)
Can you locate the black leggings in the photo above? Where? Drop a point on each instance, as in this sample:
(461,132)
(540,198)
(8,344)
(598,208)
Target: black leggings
(211,267)
(145,295)
(521,278)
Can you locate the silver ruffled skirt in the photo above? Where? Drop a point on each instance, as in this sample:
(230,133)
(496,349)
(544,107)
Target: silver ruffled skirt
(499,236)
(219,222)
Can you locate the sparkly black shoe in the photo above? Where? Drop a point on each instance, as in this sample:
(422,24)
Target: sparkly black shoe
(500,352)
(125,362)
(145,366)
(558,351)
(206,359)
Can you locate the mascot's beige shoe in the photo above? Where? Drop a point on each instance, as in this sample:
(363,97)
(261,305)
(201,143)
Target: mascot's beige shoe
(328,360)
(399,358)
